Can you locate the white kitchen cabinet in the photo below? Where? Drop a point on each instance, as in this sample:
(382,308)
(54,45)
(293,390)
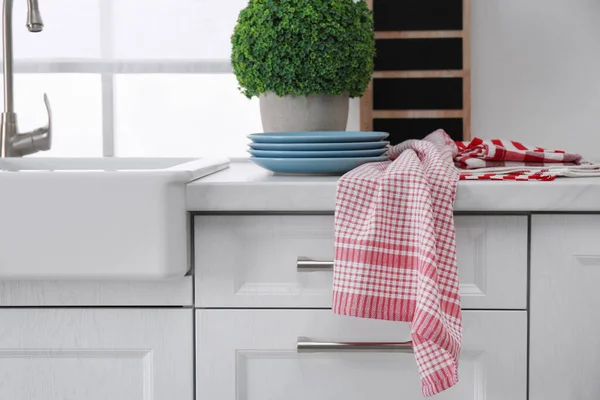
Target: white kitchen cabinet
(565,307)
(96,354)
(252,355)
(252,261)
(92,293)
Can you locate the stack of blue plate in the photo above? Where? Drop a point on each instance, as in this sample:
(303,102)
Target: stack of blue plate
(317,153)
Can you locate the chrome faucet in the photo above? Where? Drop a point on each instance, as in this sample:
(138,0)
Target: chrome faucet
(13,143)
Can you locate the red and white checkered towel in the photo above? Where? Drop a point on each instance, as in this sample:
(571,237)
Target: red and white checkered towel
(395,252)
(509,160)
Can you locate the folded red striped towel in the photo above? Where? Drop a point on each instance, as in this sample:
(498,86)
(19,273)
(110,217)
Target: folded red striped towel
(479,153)
(509,160)
(395,251)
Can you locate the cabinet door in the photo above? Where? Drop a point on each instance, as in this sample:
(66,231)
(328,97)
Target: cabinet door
(254,261)
(252,355)
(565,301)
(96,354)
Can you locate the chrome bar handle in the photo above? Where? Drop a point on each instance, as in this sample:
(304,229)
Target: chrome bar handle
(305,264)
(306,345)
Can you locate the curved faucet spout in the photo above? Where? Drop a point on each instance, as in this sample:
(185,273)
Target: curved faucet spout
(9,133)
(34,17)
(7,47)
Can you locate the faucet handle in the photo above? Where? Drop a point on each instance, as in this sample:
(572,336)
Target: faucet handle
(39,139)
(44,141)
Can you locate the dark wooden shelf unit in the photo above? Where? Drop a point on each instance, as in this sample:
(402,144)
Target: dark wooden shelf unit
(422,78)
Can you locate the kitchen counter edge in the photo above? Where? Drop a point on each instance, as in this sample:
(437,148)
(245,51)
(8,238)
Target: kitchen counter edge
(244,187)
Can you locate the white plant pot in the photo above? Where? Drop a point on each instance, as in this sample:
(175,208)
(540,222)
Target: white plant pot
(300,114)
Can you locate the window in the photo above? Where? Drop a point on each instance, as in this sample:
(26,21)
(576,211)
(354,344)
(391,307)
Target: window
(133,78)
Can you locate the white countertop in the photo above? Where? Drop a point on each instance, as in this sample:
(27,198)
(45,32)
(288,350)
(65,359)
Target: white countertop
(246,187)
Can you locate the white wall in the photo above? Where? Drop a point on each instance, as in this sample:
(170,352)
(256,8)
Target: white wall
(535,73)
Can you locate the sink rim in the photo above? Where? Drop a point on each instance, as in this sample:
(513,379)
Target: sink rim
(194,168)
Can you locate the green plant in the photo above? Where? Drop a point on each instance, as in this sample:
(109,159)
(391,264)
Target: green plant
(304,47)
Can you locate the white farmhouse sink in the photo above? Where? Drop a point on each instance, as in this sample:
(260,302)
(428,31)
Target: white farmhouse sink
(104,218)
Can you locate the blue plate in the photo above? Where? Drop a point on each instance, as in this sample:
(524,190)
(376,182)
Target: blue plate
(317,137)
(319,146)
(314,166)
(317,154)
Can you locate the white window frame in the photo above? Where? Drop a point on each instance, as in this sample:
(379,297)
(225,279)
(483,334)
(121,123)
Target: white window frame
(107,68)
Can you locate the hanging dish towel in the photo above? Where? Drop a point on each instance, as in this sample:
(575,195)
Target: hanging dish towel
(395,251)
(509,160)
